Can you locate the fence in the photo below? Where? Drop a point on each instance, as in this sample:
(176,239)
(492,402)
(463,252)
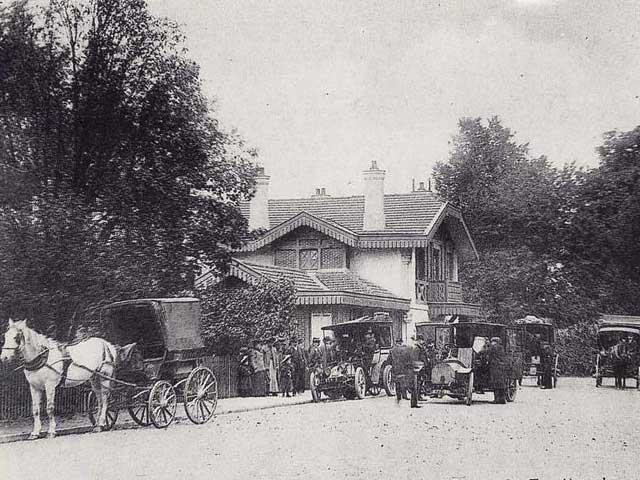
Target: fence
(15,398)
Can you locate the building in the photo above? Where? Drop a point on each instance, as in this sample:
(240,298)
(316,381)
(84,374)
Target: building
(353,256)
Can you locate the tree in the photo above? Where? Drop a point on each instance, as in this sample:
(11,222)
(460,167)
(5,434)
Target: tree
(116,179)
(236,313)
(517,208)
(604,226)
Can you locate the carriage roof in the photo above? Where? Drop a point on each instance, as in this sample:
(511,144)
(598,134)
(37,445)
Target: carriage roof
(533,320)
(178,319)
(620,323)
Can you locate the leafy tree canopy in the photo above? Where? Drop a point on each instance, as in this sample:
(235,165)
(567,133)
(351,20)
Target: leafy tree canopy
(115,180)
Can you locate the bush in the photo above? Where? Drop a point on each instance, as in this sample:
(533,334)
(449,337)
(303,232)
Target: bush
(577,347)
(235,313)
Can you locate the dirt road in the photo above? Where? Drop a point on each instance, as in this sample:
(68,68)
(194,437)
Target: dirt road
(576,431)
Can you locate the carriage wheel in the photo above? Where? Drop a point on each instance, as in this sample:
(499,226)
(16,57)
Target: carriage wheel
(92,410)
(512,390)
(200,395)
(387,381)
(359,383)
(139,410)
(162,404)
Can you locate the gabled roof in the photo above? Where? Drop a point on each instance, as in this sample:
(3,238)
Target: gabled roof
(406,213)
(339,286)
(411,220)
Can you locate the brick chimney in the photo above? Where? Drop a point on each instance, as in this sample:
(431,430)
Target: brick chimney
(373,198)
(259,204)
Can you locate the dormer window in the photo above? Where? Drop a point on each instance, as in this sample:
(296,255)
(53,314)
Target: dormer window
(310,251)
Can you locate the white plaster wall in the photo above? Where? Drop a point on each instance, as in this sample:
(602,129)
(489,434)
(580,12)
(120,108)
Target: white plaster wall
(383,267)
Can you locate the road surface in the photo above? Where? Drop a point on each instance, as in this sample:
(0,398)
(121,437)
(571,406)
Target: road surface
(575,431)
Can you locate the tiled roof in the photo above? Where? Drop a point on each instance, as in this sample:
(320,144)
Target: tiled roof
(409,213)
(301,279)
(347,281)
(341,280)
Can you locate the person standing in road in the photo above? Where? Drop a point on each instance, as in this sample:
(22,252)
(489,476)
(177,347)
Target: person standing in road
(619,353)
(299,359)
(315,353)
(271,361)
(245,373)
(546,360)
(402,357)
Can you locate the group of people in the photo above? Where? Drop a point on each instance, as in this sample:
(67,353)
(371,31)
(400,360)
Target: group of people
(623,354)
(272,367)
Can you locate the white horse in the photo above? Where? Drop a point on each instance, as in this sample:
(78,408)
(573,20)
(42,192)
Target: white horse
(48,364)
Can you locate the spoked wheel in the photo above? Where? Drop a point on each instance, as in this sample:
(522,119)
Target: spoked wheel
(200,395)
(139,409)
(387,381)
(512,390)
(162,404)
(468,397)
(92,409)
(360,383)
(314,381)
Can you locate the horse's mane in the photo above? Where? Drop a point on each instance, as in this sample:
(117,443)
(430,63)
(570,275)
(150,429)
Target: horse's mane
(36,338)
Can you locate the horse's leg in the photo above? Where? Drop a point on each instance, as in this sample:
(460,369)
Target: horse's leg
(105,390)
(36,396)
(97,392)
(50,390)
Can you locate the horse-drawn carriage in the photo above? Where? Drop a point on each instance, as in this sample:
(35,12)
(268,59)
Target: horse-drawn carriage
(612,330)
(164,362)
(538,339)
(463,362)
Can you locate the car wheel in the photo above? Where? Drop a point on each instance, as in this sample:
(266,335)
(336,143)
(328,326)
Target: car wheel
(387,381)
(360,383)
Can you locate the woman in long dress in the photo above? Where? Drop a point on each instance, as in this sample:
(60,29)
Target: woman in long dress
(259,377)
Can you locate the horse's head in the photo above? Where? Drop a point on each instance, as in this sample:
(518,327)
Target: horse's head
(13,340)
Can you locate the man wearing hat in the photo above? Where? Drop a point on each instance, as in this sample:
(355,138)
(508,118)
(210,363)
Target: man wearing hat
(402,357)
(315,353)
(497,367)
(369,348)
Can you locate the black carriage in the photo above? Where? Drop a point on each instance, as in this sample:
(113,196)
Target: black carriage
(351,373)
(459,361)
(536,333)
(612,329)
(163,362)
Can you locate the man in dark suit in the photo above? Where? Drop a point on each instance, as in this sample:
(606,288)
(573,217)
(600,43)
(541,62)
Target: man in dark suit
(300,361)
(402,357)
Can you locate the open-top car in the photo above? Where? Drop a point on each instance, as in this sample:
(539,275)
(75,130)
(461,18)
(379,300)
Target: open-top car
(536,332)
(358,362)
(463,362)
(611,330)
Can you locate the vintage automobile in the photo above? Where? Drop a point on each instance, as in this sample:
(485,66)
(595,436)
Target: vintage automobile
(349,373)
(459,367)
(611,329)
(535,333)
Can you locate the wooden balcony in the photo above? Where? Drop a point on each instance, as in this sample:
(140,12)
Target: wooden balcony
(438,292)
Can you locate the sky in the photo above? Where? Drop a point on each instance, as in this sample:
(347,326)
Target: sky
(322,88)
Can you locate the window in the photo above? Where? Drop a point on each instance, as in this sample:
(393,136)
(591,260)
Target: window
(309,253)
(436,263)
(309,259)
(420,263)
(285,258)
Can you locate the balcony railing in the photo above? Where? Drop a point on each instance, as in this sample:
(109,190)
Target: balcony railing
(443,291)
